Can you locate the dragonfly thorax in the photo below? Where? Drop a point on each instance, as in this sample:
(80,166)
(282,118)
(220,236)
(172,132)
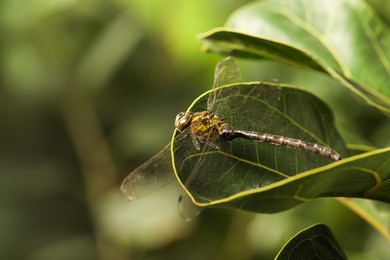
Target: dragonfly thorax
(200,122)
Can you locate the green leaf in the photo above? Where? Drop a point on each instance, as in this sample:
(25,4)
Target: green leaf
(344,39)
(315,242)
(262,177)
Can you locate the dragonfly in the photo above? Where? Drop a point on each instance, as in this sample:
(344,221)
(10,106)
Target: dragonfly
(205,131)
(206,125)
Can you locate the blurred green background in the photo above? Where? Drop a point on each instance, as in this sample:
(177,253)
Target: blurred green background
(89,90)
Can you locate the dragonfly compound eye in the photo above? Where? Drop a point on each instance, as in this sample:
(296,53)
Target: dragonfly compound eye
(183,120)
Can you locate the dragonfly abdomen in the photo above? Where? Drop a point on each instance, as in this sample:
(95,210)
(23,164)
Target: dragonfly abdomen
(230,134)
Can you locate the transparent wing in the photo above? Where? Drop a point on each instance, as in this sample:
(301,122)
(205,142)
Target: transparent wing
(187,209)
(250,108)
(149,176)
(226,72)
(229,103)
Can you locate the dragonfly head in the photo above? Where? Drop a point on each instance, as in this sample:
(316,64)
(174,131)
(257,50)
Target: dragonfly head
(183,120)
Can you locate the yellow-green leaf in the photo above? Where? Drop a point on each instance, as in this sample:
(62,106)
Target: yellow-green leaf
(315,242)
(262,177)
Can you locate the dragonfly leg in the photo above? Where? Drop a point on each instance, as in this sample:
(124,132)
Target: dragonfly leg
(195,142)
(213,145)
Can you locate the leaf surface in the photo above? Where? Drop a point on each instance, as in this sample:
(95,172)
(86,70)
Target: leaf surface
(262,177)
(315,242)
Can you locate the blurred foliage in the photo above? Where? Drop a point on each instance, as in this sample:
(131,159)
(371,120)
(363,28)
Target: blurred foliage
(87,87)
